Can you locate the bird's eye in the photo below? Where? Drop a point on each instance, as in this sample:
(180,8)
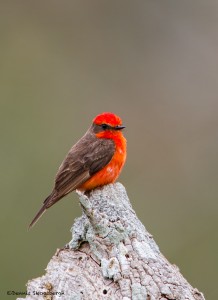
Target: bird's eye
(105,126)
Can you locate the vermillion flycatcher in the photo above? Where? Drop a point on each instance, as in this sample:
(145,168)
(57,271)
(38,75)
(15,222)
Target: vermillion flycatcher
(95,160)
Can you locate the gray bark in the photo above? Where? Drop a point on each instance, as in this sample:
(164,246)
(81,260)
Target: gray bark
(111,256)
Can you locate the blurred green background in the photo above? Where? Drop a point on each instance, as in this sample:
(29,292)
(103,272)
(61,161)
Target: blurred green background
(155,64)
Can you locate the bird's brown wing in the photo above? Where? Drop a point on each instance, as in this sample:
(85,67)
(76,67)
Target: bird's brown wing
(85,158)
(88,156)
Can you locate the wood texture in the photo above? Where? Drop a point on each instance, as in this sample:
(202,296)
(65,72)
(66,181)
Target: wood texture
(111,256)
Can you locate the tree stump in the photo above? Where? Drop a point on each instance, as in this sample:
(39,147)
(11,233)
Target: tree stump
(111,256)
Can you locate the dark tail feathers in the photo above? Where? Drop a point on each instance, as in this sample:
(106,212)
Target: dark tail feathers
(38,215)
(49,201)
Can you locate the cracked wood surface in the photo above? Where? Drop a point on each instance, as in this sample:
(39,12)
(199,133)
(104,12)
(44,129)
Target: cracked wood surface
(111,256)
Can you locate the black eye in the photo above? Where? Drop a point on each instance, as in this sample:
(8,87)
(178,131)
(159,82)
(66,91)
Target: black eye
(105,126)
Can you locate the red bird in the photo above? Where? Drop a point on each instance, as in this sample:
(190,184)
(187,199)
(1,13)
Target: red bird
(95,160)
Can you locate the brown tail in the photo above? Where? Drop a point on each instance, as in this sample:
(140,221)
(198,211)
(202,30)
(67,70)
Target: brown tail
(49,201)
(38,215)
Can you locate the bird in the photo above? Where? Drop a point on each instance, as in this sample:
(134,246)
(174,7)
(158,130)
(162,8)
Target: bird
(95,160)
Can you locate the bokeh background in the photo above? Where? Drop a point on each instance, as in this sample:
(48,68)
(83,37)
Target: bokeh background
(154,63)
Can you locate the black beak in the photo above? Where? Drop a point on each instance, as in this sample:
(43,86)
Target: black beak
(119,127)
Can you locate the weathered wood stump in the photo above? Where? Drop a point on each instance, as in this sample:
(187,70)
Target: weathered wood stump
(111,256)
